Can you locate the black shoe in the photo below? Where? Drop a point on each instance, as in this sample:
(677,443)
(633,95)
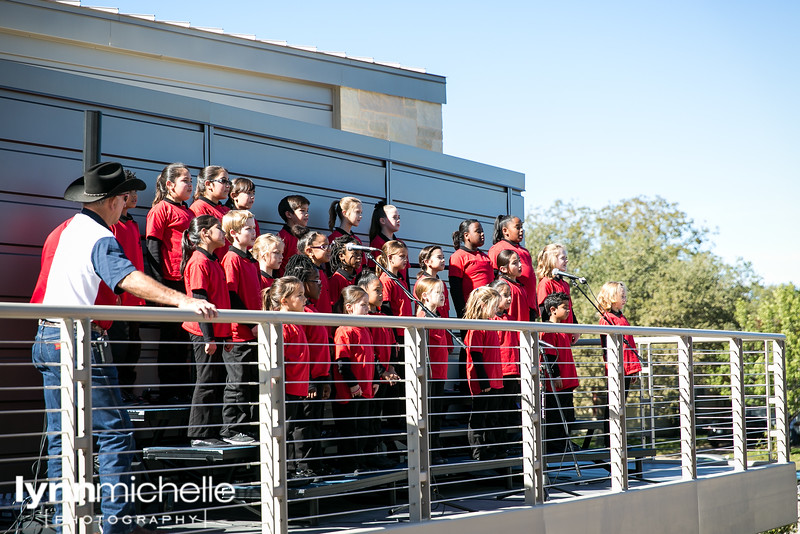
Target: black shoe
(209,442)
(240,439)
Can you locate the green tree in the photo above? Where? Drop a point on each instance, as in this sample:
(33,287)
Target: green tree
(659,253)
(776,309)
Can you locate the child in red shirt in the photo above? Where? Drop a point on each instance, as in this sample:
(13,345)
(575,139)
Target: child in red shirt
(431,263)
(242,196)
(386,363)
(315,245)
(384,224)
(611,300)
(348,212)
(553,256)
(509,270)
(354,381)
(561,376)
(213,187)
(345,265)
(287,294)
(166,221)
(128,349)
(430,291)
(484,374)
(205,279)
(509,355)
(394,259)
(268,251)
(294,212)
(240,410)
(509,235)
(309,427)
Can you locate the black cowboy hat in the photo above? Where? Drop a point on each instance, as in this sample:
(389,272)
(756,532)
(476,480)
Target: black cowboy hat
(100,181)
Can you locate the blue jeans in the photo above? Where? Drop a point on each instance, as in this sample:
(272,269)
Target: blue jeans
(111,427)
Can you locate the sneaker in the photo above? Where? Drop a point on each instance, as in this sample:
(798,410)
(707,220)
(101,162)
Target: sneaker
(209,442)
(239,439)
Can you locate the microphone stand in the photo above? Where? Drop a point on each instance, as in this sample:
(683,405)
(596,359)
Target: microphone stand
(576,284)
(429,313)
(408,293)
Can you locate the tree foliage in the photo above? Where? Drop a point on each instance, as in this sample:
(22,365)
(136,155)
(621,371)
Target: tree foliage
(659,253)
(776,309)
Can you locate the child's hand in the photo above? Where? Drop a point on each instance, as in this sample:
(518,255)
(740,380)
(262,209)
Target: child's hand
(355,391)
(210,348)
(255,330)
(375,387)
(228,346)
(487,390)
(326,391)
(575,338)
(390,376)
(312,392)
(557,383)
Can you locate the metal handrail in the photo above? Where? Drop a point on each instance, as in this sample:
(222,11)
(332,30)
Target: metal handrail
(10,310)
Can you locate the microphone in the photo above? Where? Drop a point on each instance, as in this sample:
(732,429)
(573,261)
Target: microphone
(559,273)
(356,246)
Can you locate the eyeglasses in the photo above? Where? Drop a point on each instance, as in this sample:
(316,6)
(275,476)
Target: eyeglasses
(322,247)
(223,181)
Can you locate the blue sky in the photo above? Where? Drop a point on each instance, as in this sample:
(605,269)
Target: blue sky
(696,101)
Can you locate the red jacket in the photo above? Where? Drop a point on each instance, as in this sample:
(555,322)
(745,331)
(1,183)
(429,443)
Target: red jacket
(528,276)
(630,359)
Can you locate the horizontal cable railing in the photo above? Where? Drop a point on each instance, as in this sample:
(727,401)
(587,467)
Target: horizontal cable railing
(423,439)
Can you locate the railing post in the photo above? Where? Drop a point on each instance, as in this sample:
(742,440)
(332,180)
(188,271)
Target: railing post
(416,358)
(616,414)
(738,416)
(686,396)
(779,380)
(271,418)
(531,406)
(69,469)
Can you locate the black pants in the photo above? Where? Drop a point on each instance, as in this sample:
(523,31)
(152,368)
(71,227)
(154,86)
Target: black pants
(559,414)
(240,410)
(126,347)
(512,416)
(174,374)
(205,414)
(482,431)
(352,425)
(308,429)
(436,406)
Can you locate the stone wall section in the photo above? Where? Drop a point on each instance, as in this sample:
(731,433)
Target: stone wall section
(394,118)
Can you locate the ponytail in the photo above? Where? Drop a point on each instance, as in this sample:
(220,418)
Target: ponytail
(499,223)
(334,213)
(170,173)
(463,228)
(192,238)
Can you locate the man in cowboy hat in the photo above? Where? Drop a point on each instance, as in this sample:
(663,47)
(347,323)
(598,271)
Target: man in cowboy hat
(83,264)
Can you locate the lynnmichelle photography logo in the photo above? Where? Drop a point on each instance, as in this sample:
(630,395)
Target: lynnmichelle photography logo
(206,491)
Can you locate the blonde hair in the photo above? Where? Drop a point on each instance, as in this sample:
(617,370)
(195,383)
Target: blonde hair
(338,208)
(389,248)
(610,293)
(235,220)
(546,260)
(479,304)
(425,285)
(279,290)
(262,242)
